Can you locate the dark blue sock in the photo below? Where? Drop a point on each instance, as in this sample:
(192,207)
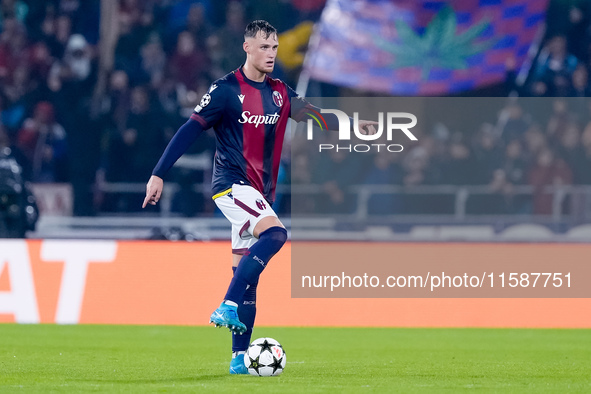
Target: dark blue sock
(254,262)
(246,313)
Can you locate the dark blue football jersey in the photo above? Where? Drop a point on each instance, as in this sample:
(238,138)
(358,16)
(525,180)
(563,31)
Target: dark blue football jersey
(249,119)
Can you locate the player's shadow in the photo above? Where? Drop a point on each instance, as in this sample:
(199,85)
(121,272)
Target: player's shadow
(188,379)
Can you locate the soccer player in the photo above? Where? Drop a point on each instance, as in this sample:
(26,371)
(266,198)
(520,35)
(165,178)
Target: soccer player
(248,111)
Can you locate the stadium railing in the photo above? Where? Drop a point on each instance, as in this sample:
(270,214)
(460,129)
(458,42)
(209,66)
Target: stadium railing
(570,207)
(460,195)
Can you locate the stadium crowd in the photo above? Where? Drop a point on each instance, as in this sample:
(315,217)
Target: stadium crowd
(525,143)
(69,120)
(562,66)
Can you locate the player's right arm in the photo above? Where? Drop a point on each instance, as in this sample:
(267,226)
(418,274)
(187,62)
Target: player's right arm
(153,190)
(206,114)
(183,138)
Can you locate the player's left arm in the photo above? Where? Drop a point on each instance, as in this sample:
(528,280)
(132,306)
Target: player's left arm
(300,107)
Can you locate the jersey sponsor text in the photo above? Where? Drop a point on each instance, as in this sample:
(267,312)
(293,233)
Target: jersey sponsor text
(258,119)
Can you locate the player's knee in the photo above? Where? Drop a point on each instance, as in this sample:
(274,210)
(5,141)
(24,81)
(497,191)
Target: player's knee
(275,236)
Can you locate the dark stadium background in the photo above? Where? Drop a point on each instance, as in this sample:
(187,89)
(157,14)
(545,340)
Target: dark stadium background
(92,91)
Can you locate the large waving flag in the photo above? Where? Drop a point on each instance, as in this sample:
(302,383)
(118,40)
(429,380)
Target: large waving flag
(420,47)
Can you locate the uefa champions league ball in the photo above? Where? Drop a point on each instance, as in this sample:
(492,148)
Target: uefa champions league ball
(265,357)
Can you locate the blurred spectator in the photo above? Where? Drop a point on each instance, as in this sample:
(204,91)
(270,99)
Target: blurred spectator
(40,63)
(43,142)
(4,138)
(554,69)
(197,23)
(36,15)
(231,37)
(179,11)
(512,173)
(559,120)
(418,170)
(515,164)
(461,166)
(76,66)
(571,19)
(132,151)
(13,8)
(134,148)
(69,7)
(535,141)
(571,151)
(153,61)
(86,19)
(132,35)
(57,32)
(143,135)
(11,116)
(188,64)
(336,171)
(584,173)
(216,56)
(72,80)
(500,201)
(488,153)
(170,102)
(131,11)
(580,83)
(516,122)
(584,111)
(301,173)
(116,103)
(416,165)
(20,93)
(115,107)
(386,170)
(548,170)
(12,44)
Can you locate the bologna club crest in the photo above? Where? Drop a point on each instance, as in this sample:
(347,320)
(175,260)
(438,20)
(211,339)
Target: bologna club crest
(261,205)
(277,99)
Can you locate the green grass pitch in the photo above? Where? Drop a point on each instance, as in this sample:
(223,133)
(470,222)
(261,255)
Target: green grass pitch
(129,359)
